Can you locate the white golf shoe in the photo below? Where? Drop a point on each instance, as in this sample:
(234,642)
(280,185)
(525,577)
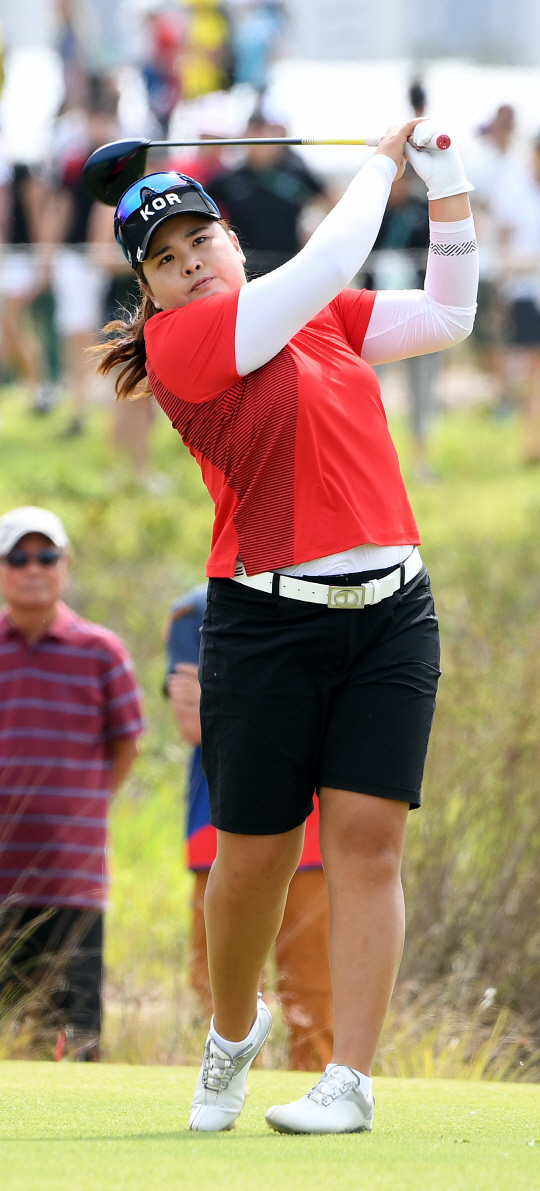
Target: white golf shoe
(220,1091)
(335,1105)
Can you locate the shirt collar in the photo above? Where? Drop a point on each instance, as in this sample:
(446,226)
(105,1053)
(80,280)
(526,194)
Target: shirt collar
(58,630)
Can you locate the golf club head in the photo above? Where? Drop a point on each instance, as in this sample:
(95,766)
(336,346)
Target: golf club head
(112,168)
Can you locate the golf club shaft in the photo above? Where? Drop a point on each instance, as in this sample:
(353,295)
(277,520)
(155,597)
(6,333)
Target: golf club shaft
(437,141)
(271,140)
(112,168)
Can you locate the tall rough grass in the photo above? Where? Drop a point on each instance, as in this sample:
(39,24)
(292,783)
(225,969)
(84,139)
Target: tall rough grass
(472,871)
(467,997)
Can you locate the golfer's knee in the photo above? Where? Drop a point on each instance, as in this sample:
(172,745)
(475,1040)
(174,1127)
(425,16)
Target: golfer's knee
(260,851)
(245,884)
(382,867)
(373,857)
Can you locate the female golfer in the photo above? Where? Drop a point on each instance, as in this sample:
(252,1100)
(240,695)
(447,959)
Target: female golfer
(319,659)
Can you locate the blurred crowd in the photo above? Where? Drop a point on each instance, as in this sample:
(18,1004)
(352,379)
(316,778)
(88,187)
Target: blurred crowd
(204,72)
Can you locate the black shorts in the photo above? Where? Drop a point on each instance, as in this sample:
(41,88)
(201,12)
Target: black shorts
(296,696)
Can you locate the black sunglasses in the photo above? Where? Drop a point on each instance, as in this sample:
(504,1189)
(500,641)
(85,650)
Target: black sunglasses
(46,557)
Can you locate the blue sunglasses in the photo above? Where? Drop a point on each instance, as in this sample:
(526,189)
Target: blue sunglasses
(158,183)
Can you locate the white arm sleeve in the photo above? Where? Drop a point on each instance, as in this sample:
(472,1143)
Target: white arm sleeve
(273,308)
(413,322)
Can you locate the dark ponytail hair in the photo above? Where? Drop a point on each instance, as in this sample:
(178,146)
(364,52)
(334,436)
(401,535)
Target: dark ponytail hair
(124,344)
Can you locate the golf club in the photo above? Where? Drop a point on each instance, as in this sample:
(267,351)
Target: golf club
(113,167)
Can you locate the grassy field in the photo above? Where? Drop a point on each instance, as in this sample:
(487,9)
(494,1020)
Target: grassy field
(471,870)
(124,1129)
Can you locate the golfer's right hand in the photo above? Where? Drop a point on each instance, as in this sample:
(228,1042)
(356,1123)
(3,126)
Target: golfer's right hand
(393,143)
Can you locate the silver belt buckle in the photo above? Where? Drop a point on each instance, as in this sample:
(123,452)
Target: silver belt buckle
(346,597)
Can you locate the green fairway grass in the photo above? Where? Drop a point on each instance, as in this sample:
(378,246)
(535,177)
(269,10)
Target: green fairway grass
(121,1128)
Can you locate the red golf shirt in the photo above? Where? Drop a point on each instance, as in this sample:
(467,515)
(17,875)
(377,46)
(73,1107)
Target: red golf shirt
(62,700)
(296,455)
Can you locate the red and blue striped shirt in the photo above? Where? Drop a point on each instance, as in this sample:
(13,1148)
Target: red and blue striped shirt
(63,698)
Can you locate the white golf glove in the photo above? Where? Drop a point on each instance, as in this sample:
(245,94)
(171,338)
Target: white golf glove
(441,169)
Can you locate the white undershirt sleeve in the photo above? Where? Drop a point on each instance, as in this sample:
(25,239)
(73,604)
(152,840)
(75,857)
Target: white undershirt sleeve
(273,308)
(407,323)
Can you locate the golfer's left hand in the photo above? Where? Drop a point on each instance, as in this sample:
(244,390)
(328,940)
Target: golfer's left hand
(441,169)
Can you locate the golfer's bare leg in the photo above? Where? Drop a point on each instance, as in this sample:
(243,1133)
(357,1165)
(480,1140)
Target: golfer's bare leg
(361,844)
(243,908)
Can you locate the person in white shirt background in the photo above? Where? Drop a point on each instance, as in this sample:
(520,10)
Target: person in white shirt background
(517,212)
(494,160)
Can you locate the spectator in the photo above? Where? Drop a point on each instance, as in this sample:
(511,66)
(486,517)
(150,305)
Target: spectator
(493,166)
(417,98)
(211,117)
(205,64)
(72,42)
(132,421)
(80,281)
(160,70)
(517,209)
(302,944)
(258,27)
(494,160)
(70,716)
(24,284)
(264,197)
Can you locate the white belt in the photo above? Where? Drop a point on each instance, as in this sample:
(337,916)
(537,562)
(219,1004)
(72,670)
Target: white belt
(337,597)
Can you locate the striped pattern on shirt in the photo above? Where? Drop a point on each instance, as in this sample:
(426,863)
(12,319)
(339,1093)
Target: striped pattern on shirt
(62,700)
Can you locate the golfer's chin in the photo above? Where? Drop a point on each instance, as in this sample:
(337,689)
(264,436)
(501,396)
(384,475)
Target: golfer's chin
(216,285)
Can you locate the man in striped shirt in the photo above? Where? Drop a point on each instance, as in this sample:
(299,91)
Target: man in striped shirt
(70,716)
